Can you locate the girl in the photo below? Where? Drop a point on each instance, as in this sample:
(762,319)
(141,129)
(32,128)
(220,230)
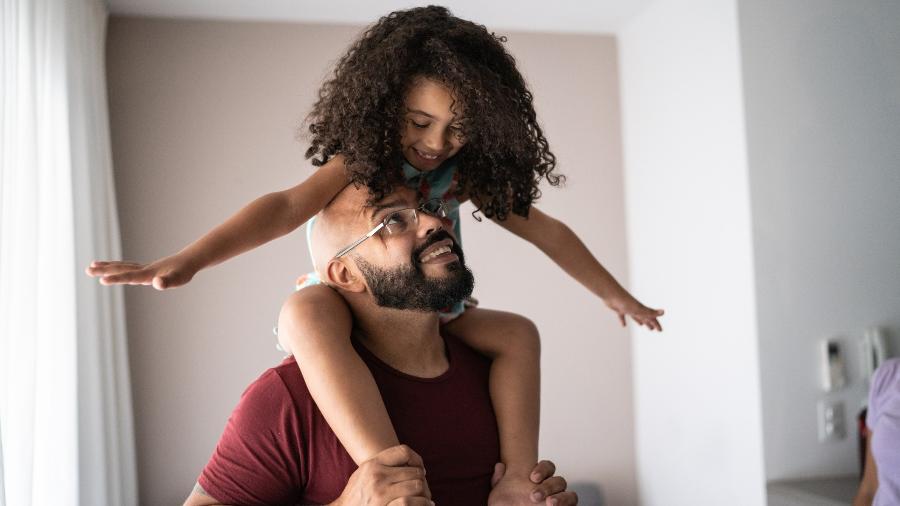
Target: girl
(429,100)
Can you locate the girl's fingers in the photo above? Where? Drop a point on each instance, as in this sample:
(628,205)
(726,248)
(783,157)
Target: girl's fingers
(112,268)
(114,263)
(131,278)
(622,319)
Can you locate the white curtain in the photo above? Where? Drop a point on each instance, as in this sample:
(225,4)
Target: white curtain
(66,428)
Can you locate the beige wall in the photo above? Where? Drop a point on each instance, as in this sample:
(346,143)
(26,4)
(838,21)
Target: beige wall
(203,118)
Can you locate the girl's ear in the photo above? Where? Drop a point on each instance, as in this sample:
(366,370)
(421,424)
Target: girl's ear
(339,274)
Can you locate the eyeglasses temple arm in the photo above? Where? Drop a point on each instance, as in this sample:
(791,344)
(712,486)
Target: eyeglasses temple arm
(358,241)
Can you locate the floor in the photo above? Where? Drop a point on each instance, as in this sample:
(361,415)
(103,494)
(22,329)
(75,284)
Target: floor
(834,491)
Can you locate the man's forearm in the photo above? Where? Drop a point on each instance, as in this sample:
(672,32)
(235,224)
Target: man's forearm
(199,497)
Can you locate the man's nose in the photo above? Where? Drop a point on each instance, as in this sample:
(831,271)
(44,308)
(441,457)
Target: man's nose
(429,224)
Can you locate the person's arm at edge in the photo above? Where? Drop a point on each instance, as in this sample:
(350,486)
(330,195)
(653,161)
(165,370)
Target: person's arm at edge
(249,228)
(869,483)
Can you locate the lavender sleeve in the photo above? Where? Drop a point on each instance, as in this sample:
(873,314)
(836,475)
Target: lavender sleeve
(880,387)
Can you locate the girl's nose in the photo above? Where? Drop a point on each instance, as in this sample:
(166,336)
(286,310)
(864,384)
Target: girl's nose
(436,140)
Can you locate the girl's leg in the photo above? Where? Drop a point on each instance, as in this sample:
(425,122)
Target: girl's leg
(314,325)
(512,341)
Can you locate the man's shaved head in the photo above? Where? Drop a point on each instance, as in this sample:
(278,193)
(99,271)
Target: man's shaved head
(337,225)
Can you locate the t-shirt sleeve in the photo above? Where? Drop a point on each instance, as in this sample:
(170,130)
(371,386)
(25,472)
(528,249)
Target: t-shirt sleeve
(258,458)
(884,376)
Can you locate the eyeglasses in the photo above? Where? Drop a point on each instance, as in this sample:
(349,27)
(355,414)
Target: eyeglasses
(400,221)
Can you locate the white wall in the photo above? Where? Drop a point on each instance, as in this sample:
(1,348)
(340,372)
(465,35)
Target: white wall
(822,91)
(203,117)
(698,420)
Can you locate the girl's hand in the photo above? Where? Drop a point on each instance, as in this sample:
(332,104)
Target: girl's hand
(625,305)
(168,272)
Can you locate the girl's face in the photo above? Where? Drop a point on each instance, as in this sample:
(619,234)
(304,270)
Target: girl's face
(431,131)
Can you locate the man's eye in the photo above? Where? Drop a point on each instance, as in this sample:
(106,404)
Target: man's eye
(395,219)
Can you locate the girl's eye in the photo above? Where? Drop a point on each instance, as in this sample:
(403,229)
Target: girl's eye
(419,125)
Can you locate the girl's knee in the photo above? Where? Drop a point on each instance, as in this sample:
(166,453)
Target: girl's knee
(315,314)
(523,334)
(318,296)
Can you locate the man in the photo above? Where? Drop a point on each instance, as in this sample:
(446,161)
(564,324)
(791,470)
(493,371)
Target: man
(278,449)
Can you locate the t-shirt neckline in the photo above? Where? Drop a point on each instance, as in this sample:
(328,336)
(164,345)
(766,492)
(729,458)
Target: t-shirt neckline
(371,358)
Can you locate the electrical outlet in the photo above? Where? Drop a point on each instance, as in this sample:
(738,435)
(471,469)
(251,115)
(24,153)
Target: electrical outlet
(832,422)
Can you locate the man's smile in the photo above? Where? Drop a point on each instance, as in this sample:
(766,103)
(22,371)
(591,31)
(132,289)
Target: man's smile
(439,252)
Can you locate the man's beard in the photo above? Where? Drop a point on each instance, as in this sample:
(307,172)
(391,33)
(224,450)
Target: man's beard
(407,286)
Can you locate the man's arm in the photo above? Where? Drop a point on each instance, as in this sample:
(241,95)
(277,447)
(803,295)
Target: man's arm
(199,497)
(257,459)
(395,474)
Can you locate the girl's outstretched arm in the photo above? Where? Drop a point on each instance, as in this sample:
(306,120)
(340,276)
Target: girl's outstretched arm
(266,218)
(315,324)
(560,243)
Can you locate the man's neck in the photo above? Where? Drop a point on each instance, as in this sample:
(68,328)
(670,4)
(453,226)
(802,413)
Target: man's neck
(408,341)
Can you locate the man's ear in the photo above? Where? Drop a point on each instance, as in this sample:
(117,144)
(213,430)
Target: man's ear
(339,274)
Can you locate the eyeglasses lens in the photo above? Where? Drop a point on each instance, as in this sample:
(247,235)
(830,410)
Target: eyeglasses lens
(399,221)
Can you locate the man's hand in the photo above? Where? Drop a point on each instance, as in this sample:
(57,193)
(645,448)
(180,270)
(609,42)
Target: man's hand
(394,477)
(543,487)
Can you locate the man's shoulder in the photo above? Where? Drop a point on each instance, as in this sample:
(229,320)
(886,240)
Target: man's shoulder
(282,384)
(260,455)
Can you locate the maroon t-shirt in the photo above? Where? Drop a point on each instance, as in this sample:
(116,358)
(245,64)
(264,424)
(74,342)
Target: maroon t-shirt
(278,449)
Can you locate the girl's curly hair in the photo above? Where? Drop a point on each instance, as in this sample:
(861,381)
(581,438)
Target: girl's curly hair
(360,110)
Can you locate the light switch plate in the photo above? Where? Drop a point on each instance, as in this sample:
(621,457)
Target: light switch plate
(832,421)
